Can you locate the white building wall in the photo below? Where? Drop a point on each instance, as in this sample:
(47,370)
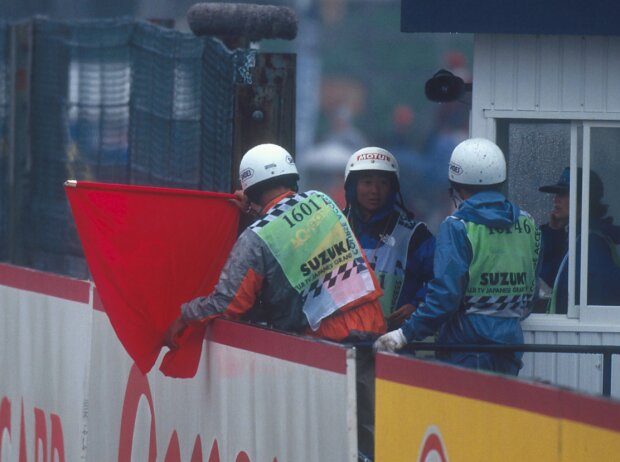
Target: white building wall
(582,372)
(548,77)
(555,78)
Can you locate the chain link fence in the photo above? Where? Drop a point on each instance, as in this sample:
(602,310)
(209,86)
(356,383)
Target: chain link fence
(118,101)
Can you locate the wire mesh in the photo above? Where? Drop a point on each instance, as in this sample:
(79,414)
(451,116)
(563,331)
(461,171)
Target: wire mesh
(165,110)
(119,101)
(217,103)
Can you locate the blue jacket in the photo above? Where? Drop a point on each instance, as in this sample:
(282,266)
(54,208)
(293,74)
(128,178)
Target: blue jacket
(419,266)
(603,270)
(443,305)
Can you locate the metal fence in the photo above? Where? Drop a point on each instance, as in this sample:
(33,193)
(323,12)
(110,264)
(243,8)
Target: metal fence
(113,100)
(606,351)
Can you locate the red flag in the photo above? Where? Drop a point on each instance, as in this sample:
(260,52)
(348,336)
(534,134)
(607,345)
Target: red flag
(149,250)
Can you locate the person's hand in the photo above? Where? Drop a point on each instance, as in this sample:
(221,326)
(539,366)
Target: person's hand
(242,202)
(400,315)
(174,330)
(390,342)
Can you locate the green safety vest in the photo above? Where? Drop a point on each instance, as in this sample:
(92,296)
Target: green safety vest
(314,245)
(389,261)
(502,273)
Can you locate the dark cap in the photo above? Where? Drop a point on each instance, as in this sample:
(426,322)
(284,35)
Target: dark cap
(563,184)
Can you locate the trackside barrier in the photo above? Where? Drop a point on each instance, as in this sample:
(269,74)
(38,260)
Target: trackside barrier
(429,411)
(607,351)
(69,392)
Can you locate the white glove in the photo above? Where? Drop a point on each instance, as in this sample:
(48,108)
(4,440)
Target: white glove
(391,341)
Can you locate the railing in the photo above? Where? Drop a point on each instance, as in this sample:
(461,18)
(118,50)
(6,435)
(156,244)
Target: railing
(606,350)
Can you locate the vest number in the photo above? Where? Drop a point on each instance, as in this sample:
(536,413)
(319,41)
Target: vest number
(518,227)
(300,212)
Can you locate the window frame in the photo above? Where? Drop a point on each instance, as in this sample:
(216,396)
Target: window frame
(579,156)
(593,313)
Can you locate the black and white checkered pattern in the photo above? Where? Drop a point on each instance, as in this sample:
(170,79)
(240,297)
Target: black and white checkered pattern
(498,303)
(330,279)
(277,210)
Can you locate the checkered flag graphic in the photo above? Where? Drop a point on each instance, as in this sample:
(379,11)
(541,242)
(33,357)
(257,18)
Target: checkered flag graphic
(337,274)
(500,303)
(280,208)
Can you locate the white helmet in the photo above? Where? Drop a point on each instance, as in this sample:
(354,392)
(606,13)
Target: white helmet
(264,162)
(371,158)
(477,161)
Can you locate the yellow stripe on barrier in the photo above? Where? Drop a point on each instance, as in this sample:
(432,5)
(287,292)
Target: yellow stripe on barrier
(429,412)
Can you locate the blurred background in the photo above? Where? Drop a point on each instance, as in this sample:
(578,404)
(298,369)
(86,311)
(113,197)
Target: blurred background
(360,82)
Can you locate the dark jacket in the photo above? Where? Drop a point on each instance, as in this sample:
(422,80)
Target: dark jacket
(603,267)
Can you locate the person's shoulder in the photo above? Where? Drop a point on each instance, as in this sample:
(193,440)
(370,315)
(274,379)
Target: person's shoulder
(404,218)
(421,236)
(453,220)
(525,214)
(453,223)
(315,193)
(312,192)
(249,234)
(420,229)
(250,245)
(546,228)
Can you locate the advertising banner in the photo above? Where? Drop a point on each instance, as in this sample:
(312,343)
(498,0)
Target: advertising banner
(435,412)
(69,391)
(45,330)
(258,395)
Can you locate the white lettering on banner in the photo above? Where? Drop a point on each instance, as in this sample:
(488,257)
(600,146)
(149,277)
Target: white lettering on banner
(373,156)
(40,433)
(138,387)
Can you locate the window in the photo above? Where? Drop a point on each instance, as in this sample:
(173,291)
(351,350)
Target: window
(600,234)
(537,152)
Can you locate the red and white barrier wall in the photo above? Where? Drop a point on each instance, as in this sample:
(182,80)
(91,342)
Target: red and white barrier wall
(69,392)
(45,332)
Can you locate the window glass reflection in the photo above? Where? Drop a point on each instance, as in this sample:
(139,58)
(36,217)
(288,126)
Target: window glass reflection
(604,232)
(537,152)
